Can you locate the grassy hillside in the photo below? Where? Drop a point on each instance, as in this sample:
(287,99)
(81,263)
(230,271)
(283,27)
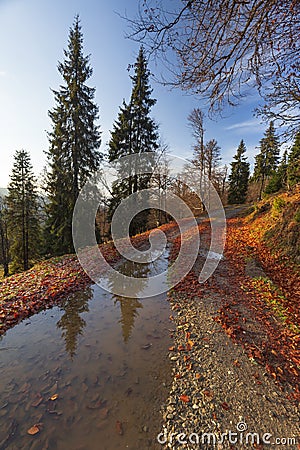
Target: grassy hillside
(276,221)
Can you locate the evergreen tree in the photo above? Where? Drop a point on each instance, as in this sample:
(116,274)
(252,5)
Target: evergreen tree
(266,161)
(134,132)
(4,242)
(23,213)
(278,179)
(293,169)
(74,142)
(239,177)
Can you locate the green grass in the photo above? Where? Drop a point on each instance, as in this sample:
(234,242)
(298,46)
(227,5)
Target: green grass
(276,302)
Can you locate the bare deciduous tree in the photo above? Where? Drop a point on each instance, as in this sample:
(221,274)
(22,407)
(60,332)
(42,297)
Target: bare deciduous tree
(222,46)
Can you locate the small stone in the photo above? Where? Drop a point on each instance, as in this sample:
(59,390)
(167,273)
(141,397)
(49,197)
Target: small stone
(145,429)
(170,408)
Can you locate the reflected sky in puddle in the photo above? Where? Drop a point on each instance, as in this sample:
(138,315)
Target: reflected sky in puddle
(103,356)
(143,272)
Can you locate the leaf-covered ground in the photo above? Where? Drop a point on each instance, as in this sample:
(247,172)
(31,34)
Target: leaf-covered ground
(273,300)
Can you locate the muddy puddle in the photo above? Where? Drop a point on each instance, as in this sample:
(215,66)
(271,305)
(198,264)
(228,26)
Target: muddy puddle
(90,374)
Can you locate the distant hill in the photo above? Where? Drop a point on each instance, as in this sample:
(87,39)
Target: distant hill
(3,192)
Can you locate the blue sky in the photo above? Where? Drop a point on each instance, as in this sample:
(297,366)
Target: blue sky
(33,34)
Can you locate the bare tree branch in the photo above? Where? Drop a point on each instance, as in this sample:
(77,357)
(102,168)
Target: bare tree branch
(218,48)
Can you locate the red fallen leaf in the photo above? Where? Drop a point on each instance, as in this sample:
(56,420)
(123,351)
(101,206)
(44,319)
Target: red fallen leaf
(236,363)
(177,376)
(198,376)
(184,398)
(208,393)
(181,348)
(171,349)
(186,358)
(119,428)
(225,406)
(189,366)
(188,335)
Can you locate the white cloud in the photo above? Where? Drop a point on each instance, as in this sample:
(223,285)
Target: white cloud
(2,73)
(248,125)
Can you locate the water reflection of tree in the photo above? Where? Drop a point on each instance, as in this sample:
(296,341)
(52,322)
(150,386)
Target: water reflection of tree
(129,306)
(129,311)
(71,323)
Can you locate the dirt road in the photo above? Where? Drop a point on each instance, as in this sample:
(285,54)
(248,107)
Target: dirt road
(221,398)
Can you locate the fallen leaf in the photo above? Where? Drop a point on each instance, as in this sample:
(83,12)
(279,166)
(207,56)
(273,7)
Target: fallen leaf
(37,401)
(184,398)
(119,428)
(33,430)
(225,406)
(208,394)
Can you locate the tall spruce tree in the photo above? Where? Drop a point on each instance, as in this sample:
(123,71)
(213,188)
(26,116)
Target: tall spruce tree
(293,168)
(278,179)
(239,176)
(266,161)
(4,242)
(23,213)
(134,132)
(74,142)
